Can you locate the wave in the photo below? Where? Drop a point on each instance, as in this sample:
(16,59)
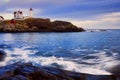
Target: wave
(97,63)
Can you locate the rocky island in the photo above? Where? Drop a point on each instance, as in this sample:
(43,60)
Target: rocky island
(38,25)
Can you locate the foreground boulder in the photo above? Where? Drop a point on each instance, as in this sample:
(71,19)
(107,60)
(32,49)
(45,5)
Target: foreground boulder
(114,69)
(26,71)
(2,55)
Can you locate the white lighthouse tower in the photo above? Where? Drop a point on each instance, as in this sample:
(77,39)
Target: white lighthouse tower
(30,12)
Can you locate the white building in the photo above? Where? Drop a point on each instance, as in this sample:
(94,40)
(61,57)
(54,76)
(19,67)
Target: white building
(18,15)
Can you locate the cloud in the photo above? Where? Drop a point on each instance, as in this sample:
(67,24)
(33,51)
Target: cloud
(110,20)
(7,15)
(85,13)
(40,2)
(24,10)
(105,21)
(3,2)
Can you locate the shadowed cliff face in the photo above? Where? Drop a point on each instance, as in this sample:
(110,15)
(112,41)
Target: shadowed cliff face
(38,25)
(65,26)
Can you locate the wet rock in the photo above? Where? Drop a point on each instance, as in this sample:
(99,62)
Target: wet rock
(6,73)
(31,72)
(26,71)
(18,77)
(114,69)
(2,55)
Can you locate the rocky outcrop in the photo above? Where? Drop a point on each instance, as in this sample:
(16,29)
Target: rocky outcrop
(63,26)
(2,55)
(115,69)
(26,71)
(38,25)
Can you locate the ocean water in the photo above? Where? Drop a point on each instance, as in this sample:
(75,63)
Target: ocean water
(84,52)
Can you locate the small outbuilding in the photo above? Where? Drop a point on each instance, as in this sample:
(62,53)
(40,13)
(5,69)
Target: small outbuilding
(1,18)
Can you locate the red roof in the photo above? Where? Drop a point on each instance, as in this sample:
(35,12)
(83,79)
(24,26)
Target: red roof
(15,12)
(18,12)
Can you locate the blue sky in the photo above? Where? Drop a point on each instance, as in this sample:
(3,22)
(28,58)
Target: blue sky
(97,14)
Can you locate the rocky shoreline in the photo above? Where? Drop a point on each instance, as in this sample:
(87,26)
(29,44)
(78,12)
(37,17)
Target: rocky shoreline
(38,25)
(26,71)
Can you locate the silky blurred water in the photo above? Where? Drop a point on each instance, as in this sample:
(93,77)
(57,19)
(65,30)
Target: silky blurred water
(86,52)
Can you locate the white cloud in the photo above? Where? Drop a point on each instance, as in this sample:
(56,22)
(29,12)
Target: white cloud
(104,21)
(6,0)
(56,2)
(7,15)
(40,2)
(110,20)
(24,10)
(3,2)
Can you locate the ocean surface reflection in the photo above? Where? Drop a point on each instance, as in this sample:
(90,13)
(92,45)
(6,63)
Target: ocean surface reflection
(86,52)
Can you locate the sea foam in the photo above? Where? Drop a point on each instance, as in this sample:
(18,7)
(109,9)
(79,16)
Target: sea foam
(23,55)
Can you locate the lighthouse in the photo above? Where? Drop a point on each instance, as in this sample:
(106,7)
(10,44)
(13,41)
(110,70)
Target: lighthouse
(30,12)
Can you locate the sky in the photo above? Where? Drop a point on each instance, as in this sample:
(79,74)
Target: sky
(89,14)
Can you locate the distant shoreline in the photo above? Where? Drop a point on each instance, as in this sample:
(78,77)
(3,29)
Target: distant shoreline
(41,31)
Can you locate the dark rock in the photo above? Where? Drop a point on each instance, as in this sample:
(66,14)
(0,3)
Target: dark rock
(2,55)
(6,73)
(63,26)
(114,69)
(26,71)
(18,77)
